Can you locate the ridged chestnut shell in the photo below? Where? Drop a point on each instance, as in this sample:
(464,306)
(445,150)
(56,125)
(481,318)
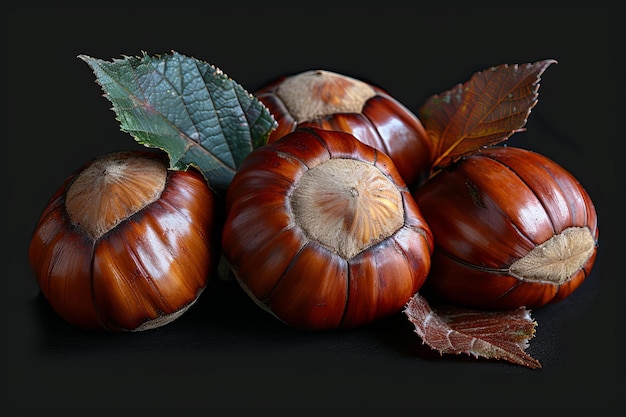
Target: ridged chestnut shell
(125,243)
(332,101)
(322,231)
(512,228)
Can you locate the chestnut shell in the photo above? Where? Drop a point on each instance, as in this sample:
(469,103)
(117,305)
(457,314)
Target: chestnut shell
(142,273)
(304,282)
(381,121)
(492,209)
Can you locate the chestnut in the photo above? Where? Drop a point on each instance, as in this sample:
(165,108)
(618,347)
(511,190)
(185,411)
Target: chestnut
(322,232)
(512,228)
(126,244)
(333,101)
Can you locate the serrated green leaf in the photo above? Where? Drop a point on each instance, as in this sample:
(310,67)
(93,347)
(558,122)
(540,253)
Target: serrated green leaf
(186,107)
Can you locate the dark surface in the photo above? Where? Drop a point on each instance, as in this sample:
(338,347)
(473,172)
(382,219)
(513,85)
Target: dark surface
(227,354)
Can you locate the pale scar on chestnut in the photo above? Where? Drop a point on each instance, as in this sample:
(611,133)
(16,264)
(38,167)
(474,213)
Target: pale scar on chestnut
(558,258)
(333,93)
(347,205)
(112,189)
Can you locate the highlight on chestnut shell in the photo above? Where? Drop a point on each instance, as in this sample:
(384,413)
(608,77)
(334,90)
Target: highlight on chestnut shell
(125,244)
(322,232)
(512,228)
(332,101)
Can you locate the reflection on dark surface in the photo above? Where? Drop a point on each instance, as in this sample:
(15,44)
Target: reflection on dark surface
(226,320)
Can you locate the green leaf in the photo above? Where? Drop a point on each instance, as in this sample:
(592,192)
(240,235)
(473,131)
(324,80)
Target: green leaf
(186,107)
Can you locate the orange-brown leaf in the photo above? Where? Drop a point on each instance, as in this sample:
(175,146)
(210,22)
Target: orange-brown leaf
(501,334)
(484,111)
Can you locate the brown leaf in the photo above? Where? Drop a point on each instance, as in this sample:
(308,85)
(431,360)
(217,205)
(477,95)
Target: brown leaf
(501,334)
(484,111)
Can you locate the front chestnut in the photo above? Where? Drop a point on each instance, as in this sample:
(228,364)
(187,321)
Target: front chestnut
(322,231)
(512,228)
(125,243)
(332,101)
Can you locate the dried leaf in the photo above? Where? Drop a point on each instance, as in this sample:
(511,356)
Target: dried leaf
(502,334)
(484,111)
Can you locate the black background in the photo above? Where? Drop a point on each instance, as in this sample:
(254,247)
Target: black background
(225,353)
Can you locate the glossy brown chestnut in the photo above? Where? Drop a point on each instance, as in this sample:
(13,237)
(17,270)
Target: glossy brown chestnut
(125,243)
(512,228)
(322,231)
(334,101)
